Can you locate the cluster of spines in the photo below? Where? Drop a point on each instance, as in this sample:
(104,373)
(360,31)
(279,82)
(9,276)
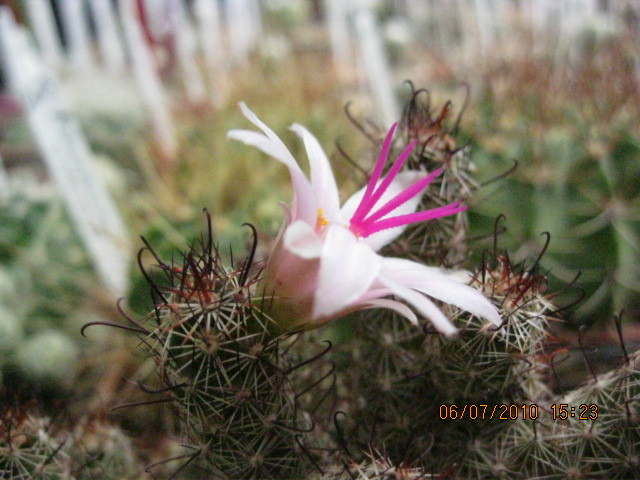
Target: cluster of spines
(35,448)
(403,375)
(376,466)
(98,450)
(441,242)
(608,443)
(27,450)
(575,444)
(221,367)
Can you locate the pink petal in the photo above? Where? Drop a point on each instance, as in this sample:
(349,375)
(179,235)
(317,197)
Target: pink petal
(304,206)
(301,239)
(347,270)
(323,182)
(425,306)
(433,282)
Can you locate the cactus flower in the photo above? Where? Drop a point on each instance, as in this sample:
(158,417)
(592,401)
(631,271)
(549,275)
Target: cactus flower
(325,262)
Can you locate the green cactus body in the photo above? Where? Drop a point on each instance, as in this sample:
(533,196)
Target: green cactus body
(418,376)
(592,432)
(420,397)
(578,175)
(403,378)
(407,402)
(223,369)
(374,467)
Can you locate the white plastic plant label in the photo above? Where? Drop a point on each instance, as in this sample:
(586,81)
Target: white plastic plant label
(67,155)
(74,20)
(208,20)
(45,30)
(109,41)
(375,63)
(186,50)
(148,81)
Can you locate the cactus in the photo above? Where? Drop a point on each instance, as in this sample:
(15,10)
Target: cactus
(100,450)
(375,466)
(407,401)
(578,173)
(27,449)
(222,367)
(32,448)
(405,377)
(399,380)
(591,432)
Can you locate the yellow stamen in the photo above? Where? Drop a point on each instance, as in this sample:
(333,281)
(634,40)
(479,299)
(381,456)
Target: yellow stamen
(321,221)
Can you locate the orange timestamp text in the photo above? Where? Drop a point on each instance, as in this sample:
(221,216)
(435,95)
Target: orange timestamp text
(472,411)
(503,411)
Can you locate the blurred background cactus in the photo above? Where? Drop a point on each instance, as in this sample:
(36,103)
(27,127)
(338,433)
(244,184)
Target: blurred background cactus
(578,174)
(44,273)
(202,388)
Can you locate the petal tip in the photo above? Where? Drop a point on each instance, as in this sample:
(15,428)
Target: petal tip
(453,334)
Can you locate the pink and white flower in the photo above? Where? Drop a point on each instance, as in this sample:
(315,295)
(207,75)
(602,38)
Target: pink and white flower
(324,263)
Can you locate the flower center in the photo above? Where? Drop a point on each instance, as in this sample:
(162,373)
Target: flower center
(320,220)
(365,221)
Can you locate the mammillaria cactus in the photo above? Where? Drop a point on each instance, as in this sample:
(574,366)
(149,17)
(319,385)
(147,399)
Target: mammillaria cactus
(221,368)
(398,399)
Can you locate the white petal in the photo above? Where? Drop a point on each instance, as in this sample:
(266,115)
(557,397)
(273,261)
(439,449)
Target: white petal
(304,206)
(323,182)
(301,239)
(425,306)
(347,270)
(435,283)
(402,181)
(401,308)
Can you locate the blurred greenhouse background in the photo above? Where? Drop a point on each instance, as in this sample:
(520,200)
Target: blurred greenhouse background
(113,121)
